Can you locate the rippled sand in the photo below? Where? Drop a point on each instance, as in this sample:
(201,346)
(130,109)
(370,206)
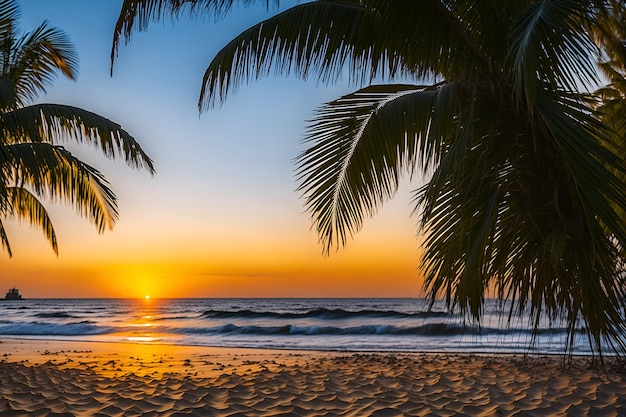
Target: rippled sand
(101,379)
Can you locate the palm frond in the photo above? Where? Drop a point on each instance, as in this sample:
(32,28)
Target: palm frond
(55,123)
(37,57)
(549,47)
(527,211)
(361,40)
(4,239)
(31,163)
(9,13)
(25,206)
(361,144)
(8,99)
(54,172)
(308,37)
(137,14)
(609,32)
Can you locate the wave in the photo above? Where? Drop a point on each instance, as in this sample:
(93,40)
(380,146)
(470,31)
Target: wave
(52,329)
(321,313)
(431,329)
(173,318)
(55,315)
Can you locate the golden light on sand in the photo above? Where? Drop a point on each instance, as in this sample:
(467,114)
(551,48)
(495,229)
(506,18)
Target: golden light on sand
(152,378)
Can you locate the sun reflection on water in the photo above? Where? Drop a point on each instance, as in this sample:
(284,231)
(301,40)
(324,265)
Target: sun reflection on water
(142,329)
(143,339)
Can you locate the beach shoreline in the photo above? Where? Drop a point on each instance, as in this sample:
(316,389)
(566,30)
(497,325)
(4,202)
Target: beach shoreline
(41,377)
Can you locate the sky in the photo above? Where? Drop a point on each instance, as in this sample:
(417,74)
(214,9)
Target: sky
(221,217)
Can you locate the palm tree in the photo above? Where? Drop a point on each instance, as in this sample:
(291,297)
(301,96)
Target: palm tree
(524,181)
(610,98)
(33,164)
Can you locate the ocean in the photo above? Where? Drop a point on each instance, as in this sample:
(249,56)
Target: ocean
(399,325)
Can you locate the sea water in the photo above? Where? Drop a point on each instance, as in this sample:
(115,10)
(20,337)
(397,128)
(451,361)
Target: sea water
(401,325)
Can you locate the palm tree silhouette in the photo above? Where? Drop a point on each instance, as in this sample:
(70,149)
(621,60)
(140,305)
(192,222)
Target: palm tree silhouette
(33,163)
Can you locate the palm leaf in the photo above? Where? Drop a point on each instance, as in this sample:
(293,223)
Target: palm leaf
(361,144)
(56,123)
(5,239)
(25,206)
(327,38)
(529,218)
(54,172)
(37,57)
(9,13)
(549,47)
(31,162)
(137,14)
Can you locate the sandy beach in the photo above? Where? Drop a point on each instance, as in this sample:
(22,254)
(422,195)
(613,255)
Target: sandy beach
(114,379)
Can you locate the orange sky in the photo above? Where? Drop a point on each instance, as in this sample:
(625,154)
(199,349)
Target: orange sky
(135,260)
(221,217)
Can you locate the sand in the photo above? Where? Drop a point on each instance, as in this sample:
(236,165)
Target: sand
(104,379)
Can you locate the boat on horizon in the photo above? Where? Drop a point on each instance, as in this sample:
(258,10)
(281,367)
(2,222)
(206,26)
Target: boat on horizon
(13,294)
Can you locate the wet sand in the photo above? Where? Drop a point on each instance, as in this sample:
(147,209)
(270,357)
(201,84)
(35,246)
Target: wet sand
(112,379)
